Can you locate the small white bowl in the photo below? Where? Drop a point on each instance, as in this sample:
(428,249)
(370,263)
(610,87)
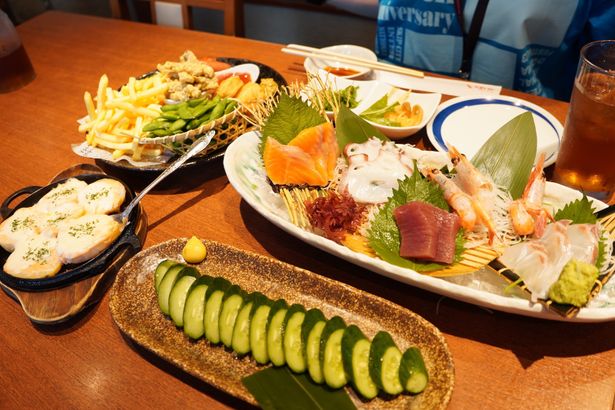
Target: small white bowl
(251,69)
(428,102)
(313,65)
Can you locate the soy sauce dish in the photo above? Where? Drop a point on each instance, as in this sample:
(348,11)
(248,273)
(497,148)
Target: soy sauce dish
(83,264)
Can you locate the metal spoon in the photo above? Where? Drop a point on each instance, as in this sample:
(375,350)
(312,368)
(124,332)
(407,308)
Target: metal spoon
(198,146)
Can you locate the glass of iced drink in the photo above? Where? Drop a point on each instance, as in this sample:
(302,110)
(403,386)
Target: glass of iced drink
(586,159)
(15,67)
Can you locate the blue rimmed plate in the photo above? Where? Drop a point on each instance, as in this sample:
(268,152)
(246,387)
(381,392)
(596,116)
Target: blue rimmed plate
(467,122)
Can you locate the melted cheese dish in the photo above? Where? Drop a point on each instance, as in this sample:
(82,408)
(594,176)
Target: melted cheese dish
(70,224)
(23,224)
(34,258)
(85,237)
(104,196)
(61,194)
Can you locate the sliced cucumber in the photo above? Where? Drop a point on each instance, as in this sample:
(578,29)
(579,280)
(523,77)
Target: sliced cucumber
(231,304)
(384,363)
(241,332)
(331,353)
(178,295)
(258,329)
(167,283)
(412,372)
(195,307)
(161,269)
(311,342)
(312,352)
(275,332)
(213,304)
(355,357)
(293,347)
(173,270)
(312,317)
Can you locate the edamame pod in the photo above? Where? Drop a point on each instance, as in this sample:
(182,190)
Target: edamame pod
(230,107)
(177,125)
(152,126)
(169,107)
(202,109)
(193,124)
(195,102)
(218,110)
(169,116)
(160,132)
(185,113)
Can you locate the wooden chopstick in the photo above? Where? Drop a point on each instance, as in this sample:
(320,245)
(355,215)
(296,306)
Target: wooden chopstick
(311,52)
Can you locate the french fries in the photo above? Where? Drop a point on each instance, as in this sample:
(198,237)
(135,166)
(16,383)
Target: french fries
(116,118)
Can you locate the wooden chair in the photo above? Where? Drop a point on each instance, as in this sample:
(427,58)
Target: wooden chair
(232,10)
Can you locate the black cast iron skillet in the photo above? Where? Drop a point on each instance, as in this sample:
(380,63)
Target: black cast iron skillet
(74,272)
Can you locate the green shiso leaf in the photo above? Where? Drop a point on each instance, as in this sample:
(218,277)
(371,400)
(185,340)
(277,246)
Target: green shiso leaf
(290,117)
(350,128)
(279,388)
(579,212)
(383,234)
(508,155)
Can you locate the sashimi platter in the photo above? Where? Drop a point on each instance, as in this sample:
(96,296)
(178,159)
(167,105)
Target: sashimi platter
(488,230)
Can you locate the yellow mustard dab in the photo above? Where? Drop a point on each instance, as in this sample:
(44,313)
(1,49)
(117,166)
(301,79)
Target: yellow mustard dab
(194,251)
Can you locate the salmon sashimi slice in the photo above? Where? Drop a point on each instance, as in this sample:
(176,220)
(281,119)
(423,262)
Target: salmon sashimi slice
(290,165)
(321,144)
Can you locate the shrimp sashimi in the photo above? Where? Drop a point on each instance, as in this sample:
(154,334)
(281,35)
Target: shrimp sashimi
(470,211)
(527,214)
(470,179)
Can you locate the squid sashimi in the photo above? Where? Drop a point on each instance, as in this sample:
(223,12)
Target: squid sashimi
(374,170)
(427,232)
(308,159)
(539,262)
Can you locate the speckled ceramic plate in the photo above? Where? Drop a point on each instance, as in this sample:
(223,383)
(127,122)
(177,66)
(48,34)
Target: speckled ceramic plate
(135,310)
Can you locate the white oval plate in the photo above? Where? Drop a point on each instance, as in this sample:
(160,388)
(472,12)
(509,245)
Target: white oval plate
(244,169)
(467,122)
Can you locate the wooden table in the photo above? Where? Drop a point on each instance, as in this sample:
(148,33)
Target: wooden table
(501,360)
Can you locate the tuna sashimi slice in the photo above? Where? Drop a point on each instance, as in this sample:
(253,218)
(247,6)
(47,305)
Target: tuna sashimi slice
(426,231)
(448,224)
(418,229)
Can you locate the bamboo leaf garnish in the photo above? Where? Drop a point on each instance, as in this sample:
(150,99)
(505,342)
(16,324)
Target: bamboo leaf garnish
(508,155)
(279,388)
(350,128)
